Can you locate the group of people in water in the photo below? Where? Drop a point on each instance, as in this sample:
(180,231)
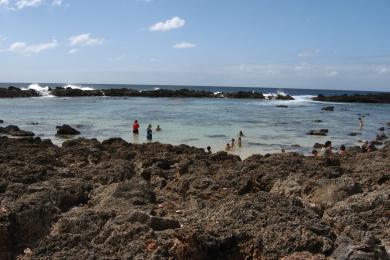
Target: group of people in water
(232,145)
(149,131)
(326,150)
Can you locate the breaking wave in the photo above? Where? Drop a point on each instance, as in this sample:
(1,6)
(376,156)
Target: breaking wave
(45,91)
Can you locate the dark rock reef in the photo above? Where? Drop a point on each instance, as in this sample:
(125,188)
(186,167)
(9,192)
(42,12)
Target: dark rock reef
(124,92)
(115,200)
(13,92)
(369,98)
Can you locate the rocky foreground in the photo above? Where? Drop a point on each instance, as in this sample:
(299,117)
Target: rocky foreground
(13,92)
(115,200)
(369,98)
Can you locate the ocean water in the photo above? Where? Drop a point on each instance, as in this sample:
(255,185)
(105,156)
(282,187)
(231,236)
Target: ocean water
(199,122)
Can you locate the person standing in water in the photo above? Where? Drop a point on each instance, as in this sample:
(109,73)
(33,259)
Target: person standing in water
(241,134)
(233,143)
(158,129)
(361,124)
(135,127)
(149,133)
(239,142)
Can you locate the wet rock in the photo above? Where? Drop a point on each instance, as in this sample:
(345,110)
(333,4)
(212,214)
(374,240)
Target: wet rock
(66,130)
(284,97)
(282,106)
(381,136)
(13,130)
(1,121)
(322,132)
(354,134)
(317,121)
(381,128)
(330,108)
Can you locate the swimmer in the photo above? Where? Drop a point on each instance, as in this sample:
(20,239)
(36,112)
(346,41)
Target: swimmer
(158,129)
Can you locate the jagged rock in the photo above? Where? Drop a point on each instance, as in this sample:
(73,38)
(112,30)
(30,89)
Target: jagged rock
(330,108)
(113,199)
(66,130)
(13,130)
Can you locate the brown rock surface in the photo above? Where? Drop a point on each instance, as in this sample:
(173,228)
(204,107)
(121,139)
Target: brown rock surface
(115,200)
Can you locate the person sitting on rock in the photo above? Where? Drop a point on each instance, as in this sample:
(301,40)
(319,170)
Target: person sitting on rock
(158,129)
(371,147)
(227,147)
(135,127)
(326,151)
(149,132)
(208,149)
(342,150)
(314,153)
(364,147)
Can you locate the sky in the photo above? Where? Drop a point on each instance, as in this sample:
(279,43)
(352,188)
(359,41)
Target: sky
(324,44)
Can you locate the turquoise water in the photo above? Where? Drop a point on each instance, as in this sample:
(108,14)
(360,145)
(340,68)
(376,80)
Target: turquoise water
(200,122)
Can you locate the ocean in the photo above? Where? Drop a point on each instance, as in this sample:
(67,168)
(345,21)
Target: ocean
(199,122)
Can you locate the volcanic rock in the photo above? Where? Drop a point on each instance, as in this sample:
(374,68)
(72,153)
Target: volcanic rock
(116,200)
(66,130)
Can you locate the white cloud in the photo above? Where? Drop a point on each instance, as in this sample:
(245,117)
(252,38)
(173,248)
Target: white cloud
(24,48)
(20,4)
(4,2)
(85,40)
(173,23)
(308,53)
(184,45)
(384,71)
(56,2)
(333,73)
(73,51)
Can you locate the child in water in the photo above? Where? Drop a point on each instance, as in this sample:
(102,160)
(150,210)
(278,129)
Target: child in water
(239,142)
(158,129)
(227,147)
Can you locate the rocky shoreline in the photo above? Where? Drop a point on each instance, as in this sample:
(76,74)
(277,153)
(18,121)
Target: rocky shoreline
(117,200)
(13,92)
(370,98)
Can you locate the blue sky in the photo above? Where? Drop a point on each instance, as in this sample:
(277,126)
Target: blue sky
(333,44)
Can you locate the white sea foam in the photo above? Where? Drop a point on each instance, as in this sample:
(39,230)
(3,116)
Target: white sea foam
(279,92)
(78,87)
(43,91)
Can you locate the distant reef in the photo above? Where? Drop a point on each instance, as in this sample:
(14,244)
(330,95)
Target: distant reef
(369,98)
(13,92)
